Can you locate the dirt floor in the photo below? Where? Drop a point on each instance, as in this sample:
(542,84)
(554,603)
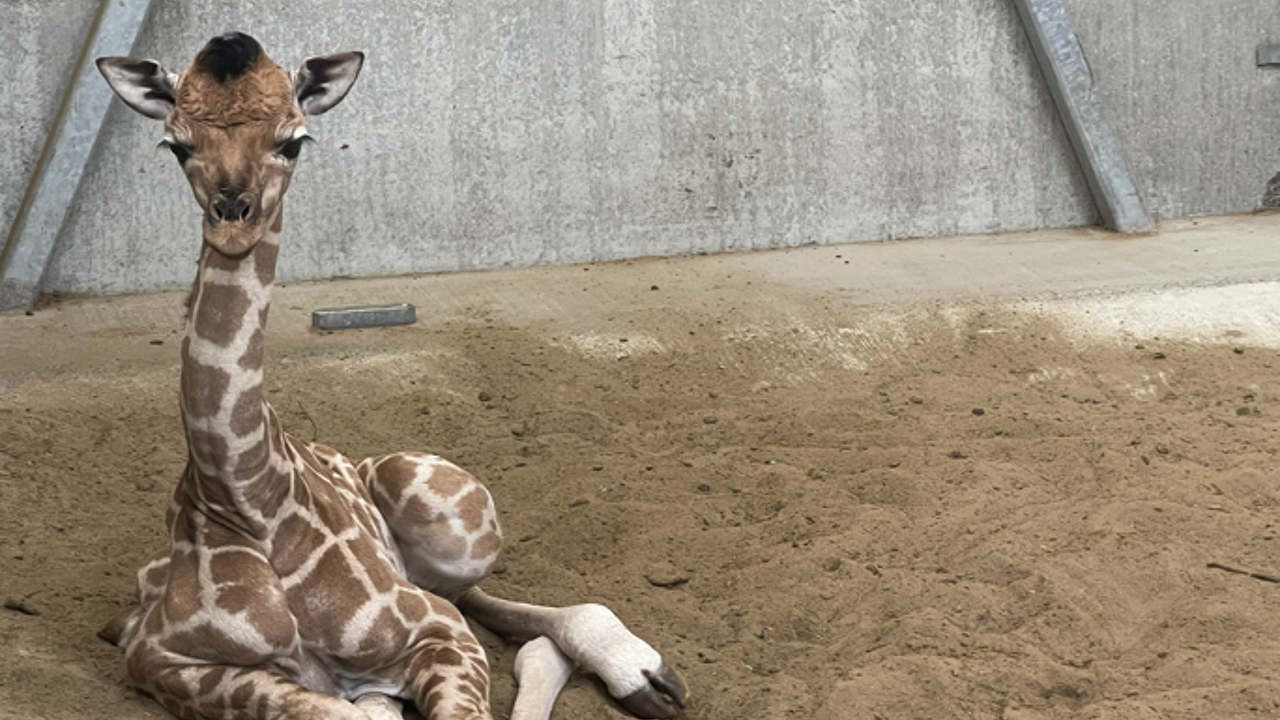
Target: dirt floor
(813,507)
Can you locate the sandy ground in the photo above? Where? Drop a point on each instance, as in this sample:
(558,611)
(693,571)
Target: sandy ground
(911,490)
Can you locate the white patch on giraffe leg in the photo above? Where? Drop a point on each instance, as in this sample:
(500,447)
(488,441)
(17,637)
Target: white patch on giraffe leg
(595,637)
(541,670)
(592,635)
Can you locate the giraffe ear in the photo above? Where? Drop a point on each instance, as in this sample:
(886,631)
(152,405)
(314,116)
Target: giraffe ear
(143,85)
(322,82)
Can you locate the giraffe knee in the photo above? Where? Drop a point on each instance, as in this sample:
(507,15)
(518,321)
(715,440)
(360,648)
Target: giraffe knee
(443,519)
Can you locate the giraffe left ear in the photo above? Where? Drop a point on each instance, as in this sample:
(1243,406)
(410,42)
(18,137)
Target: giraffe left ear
(322,82)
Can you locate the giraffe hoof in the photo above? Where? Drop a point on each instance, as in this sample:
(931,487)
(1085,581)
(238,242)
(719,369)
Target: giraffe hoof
(117,630)
(663,697)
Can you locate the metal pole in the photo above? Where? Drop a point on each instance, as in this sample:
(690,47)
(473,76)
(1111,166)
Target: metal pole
(1096,147)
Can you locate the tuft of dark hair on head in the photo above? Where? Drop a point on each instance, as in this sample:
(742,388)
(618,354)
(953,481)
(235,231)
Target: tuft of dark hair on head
(228,56)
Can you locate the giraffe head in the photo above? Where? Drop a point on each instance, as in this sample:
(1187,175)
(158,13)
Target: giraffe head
(236,122)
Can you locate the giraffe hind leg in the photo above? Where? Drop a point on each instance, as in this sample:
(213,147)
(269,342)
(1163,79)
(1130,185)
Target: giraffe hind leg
(442,518)
(634,673)
(446,528)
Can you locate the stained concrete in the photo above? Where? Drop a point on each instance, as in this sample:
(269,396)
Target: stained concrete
(39,41)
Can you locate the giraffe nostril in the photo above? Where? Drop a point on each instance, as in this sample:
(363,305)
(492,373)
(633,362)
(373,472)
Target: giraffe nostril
(231,208)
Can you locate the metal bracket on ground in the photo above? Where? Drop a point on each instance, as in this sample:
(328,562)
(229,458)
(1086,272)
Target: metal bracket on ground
(1269,56)
(363,317)
(1071,84)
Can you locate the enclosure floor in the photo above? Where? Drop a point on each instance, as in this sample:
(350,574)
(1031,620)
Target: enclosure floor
(975,478)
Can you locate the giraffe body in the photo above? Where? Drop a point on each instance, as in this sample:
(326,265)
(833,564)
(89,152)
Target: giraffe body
(298,583)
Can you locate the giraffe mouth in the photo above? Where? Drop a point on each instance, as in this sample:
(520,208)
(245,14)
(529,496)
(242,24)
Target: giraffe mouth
(232,239)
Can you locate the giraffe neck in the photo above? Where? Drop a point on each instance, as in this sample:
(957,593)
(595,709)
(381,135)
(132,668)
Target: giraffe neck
(235,446)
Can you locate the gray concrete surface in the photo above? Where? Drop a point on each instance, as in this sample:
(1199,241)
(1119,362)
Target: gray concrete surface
(496,134)
(55,179)
(1198,119)
(39,42)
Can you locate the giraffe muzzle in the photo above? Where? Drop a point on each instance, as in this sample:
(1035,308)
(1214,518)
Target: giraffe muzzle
(240,207)
(232,223)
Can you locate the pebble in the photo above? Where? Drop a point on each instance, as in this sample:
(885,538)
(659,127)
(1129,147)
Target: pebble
(20,606)
(665,574)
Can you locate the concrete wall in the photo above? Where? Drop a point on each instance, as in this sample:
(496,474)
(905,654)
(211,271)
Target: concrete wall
(498,133)
(39,42)
(1199,121)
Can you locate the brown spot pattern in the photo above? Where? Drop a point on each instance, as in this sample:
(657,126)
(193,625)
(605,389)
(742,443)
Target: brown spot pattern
(385,635)
(393,475)
(331,591)
(265,255)
(234,598)
(295,540)
(203,388)
(252,357)
(471,508)
(213,644)
(217,261)
(156,574)
(448,481)
(220,313)
(488,544)
(182,599)
(227,566)
(440,540)
(411,605)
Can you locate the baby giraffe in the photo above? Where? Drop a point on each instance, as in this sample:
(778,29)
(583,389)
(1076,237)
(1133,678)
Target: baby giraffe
(298,584)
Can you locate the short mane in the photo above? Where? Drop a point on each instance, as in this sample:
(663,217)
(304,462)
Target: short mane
(228,56)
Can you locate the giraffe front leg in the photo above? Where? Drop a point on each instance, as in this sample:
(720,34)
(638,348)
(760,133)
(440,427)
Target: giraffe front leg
(631,669)
(541,670)
(449,676)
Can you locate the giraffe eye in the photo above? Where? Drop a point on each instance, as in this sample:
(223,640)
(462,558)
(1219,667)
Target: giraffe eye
(179,151)
(291,149)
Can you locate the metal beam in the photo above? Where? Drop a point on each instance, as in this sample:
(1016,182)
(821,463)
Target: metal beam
(1071,84)
(48,200)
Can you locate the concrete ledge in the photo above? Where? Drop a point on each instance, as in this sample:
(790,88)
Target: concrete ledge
(1218,273)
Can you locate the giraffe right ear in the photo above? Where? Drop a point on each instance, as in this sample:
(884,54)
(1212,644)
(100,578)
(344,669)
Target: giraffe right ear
(143,85)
